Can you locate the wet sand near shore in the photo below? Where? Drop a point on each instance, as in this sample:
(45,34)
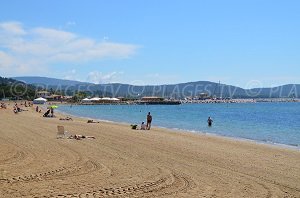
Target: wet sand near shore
(122,162)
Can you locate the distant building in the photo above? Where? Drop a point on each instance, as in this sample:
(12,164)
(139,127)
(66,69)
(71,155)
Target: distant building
(54,97)
(152,99)
(67,98)
(203,96)
(43,94)
(121,98)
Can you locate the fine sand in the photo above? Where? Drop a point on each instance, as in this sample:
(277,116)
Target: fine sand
(122,162)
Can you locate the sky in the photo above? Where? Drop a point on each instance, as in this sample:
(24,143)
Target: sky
(249,43)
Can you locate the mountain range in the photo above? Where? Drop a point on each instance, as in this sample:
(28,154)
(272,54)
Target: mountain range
(181,90)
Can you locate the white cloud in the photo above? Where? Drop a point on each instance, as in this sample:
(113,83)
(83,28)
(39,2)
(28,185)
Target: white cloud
(5,60)
(47,34)
(100,78)
(12,28)
(47,46)
(70,75)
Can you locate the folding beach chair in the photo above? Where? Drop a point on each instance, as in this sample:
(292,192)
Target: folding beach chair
(61,133)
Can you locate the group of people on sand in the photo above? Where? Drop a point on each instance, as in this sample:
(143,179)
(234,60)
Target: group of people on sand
(17,109)
(27,104)
(149,121)
(49,112)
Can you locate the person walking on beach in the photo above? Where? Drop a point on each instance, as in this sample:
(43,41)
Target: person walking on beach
(149,120)
(209,121)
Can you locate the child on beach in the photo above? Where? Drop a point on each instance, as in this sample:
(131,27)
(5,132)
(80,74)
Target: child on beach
(143,126)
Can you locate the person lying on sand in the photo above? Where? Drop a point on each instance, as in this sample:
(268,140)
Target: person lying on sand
(18,109)
(80,137)
(92,121)
(67,118)
(3,106)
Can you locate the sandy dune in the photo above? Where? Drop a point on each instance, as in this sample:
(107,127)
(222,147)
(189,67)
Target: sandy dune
(122,162)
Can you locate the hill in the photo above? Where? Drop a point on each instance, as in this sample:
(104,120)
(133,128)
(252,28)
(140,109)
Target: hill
(48,81)
(13,89)
(181,90)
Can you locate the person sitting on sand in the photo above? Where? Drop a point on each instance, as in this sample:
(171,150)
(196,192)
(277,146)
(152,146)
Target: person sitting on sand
(15,110)
(92,121)
(52,112)
(18,109)
(46,114)
(67,118)
(3,106)
(143,126)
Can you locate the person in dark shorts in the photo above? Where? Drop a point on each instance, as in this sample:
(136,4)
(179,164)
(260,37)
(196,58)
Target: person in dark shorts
(209,121)
(46,114)
(52,111)
(149,120)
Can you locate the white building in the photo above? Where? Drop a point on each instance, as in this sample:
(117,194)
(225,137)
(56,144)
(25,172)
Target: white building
(43,94)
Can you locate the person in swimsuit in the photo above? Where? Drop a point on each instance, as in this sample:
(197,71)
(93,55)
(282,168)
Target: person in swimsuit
(149,120)
(209,121)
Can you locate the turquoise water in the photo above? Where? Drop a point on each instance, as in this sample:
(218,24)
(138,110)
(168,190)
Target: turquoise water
(264,122)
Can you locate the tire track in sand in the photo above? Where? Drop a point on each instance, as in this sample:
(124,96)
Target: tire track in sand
(165,185)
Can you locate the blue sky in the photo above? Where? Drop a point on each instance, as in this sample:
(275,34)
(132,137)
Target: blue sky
(250,43)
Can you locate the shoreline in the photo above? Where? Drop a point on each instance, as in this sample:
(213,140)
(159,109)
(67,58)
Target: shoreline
(202,133)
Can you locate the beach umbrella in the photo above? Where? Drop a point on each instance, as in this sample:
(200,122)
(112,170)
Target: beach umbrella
(39,101)
(86,100)
(95,99)
(54,106)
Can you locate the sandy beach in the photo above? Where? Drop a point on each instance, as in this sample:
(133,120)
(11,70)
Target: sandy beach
(122,162)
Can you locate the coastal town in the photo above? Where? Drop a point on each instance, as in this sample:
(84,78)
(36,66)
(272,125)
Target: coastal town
(44,96)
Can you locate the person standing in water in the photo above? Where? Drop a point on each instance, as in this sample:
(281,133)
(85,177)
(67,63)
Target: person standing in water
(149,120)
(209,121)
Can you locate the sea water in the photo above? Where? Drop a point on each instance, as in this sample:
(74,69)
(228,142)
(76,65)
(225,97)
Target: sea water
(277,123)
